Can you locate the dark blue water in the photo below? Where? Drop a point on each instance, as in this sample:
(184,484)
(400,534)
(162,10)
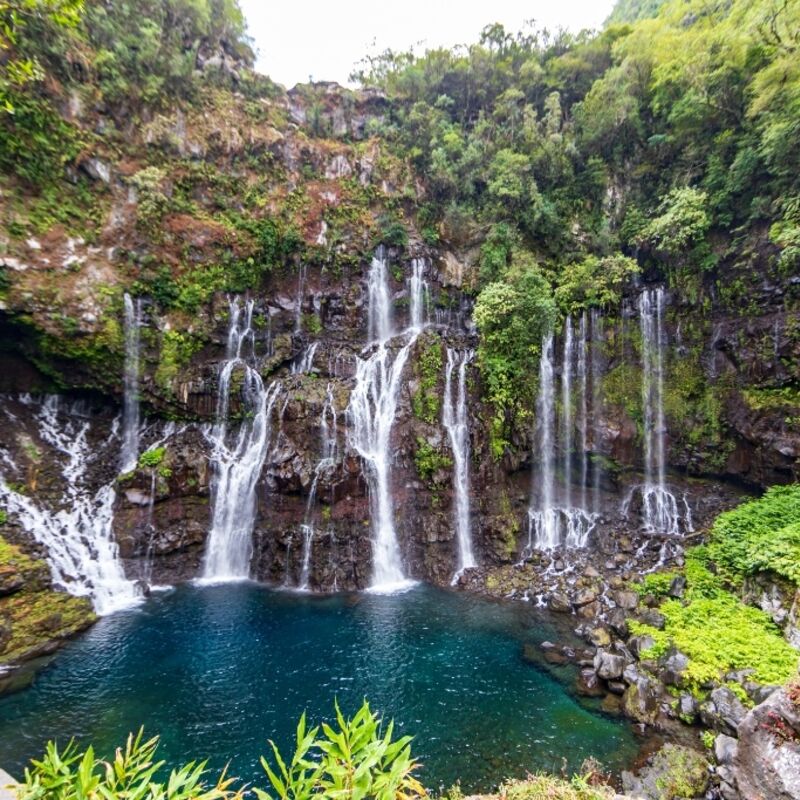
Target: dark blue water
(218,670)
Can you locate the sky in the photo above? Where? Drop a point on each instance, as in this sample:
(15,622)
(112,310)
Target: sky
(301,39)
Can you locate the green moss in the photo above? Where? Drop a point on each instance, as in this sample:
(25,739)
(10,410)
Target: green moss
(770,399)
(546,787)
(428,460)
(35,613)
(177,350)
(152,458)
(426,401)
(656,584)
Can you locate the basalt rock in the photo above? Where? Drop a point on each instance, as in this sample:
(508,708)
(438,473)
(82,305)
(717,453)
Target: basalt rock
(766,765)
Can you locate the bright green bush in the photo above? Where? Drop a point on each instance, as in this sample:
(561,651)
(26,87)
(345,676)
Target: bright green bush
(357,760)
(760,536)
(354,759)
(134,773)
(720,634)
(717,631)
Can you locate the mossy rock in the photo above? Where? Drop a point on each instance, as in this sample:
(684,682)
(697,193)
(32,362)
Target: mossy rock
(34,618)
(674,772)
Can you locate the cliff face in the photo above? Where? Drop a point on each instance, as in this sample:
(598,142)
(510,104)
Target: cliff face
(206,204)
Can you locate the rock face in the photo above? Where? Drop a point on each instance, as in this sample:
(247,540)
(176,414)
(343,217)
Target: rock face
(767,761)
(725,416)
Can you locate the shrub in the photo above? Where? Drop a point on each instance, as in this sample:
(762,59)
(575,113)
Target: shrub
(762,535)
(71,775)
(356,762)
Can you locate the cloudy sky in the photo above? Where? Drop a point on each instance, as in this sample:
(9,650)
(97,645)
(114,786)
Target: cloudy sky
(298,39)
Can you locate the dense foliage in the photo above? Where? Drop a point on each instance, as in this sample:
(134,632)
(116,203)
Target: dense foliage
(354,759)
(760,536)
(672,140)
(716,630)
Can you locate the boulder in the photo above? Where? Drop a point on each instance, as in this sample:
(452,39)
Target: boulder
(725,748)
(641,701)
(723,711)
(640,644)
(599,636)
(588,684)
(767,760)
(625,599)
(607,665)
(559,602)
(673,772)
(673,666)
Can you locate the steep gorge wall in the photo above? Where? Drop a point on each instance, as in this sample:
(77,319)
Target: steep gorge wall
(730,376)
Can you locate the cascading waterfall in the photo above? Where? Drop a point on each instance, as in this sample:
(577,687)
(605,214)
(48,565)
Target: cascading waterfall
(328,448)
(419,294)
(237,459)
(306,361)
(371,412)
(659,507)
(130,410)
(565,426)
(78,538)
(455,421)
(583,411)
(552,525)
(543,522)
(596,334)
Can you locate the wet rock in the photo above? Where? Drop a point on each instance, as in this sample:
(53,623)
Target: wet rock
(673,772)
(641,701)
(767,760)
(723,711)
(677,587)
(725,748)
(655,619)
(599,637)
(618,621)
(608,665)
(624,599)
(616,687)
(640,644)
(589,611)
(588,684)
(673,667)
(687,707)
(559,602)
(585,596)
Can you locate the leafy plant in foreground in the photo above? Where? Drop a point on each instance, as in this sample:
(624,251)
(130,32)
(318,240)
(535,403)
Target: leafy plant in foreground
(71,775)
(356,761)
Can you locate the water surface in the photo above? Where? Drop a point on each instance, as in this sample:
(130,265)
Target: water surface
(218,670)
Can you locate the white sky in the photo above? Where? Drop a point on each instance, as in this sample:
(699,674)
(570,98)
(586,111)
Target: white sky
(298,39)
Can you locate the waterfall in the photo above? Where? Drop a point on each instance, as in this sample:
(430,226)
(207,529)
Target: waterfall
(379,309)
(544,521)
(419,294)
(306,361)
(551,525)
(78,538)
(565,426)
(130,409)
(659,507)
(583,408)
(454,419)
(328,448)
(298,303)
(596,333)
(371,413)
(237,458)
